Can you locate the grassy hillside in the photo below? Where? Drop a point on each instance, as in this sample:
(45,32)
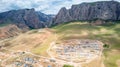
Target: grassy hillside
(38,41)
(107,34)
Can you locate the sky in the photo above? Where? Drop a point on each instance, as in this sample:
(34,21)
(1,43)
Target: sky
(45,6)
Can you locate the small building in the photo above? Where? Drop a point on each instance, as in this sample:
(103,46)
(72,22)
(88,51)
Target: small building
(49,66)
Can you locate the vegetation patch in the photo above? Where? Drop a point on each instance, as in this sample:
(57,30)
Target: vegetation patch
(66,65)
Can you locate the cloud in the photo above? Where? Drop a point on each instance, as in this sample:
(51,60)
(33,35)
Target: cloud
(45,6)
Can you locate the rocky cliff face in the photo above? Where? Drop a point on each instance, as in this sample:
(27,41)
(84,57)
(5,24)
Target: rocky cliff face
(105,10)
(46,19)
(62,16)
(24,18)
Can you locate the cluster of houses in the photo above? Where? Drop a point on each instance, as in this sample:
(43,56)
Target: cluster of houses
(79,48)
(23,59)
(31,62)
(26,62)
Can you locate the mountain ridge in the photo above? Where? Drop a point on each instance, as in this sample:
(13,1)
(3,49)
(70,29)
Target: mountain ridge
(97,12)
(25,18)
(105,10)
(29,18)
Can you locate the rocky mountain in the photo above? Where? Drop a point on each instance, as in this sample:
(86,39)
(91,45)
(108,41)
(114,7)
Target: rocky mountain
(25,18)
(104,10)
(46,19)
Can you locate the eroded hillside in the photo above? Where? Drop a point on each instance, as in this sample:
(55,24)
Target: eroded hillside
(10,31)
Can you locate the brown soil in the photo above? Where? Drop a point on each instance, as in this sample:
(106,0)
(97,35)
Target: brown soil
(9,31)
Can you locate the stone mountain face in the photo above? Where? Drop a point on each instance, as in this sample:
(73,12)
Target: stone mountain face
(24,18)
(62,16)
(105,10)
(46,19)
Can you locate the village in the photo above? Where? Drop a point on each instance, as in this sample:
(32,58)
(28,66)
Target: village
(73,52)
(25,59)
(79,51)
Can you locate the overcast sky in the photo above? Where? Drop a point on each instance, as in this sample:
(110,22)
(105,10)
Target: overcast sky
(45,6)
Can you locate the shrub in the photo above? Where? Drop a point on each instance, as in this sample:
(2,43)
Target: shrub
(106,46)
(67,66)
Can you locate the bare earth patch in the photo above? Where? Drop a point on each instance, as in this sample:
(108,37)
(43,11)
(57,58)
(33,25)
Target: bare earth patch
(118,63)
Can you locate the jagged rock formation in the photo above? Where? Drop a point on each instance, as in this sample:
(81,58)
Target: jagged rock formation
(24,18)
(104,10)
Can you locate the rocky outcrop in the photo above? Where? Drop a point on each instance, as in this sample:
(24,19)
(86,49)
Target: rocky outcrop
(24,18)
(104,10)
(62,16)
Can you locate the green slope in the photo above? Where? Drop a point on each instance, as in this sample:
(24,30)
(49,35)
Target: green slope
(107,34)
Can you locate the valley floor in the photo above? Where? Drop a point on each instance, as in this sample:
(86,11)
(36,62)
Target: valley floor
(37,48)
